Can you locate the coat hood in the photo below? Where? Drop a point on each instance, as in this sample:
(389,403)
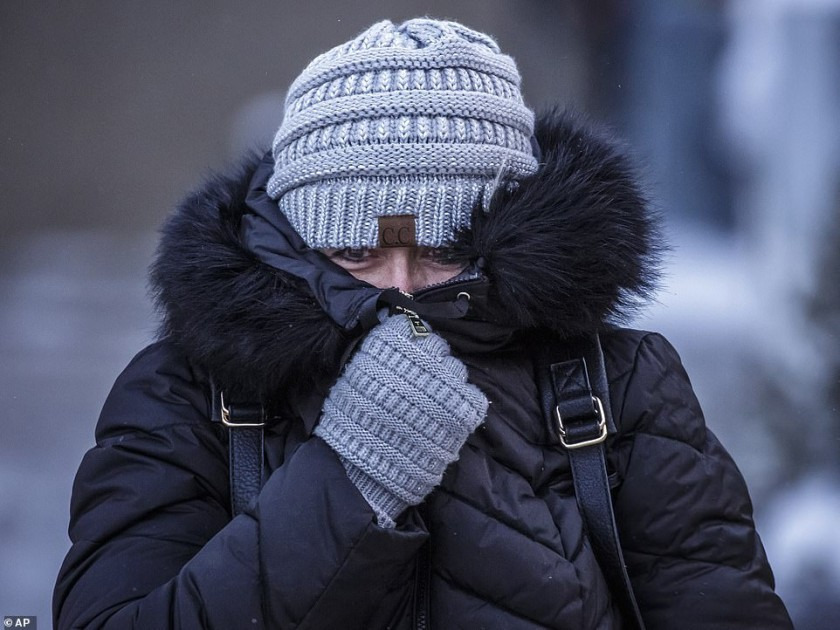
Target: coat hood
(572,248)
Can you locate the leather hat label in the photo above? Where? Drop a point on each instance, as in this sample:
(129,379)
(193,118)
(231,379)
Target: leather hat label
(397,231)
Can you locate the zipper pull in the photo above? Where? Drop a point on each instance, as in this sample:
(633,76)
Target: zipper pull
(418,328)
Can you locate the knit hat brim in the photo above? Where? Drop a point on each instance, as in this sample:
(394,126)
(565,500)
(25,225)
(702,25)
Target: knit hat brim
(441,206)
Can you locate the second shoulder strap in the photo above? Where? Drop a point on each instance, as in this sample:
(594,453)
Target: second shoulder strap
(245,424)
(575,394)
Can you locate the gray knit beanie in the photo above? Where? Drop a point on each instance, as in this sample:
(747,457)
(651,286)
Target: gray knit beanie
(420,119)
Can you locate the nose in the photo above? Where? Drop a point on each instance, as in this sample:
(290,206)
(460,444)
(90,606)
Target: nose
(402,273)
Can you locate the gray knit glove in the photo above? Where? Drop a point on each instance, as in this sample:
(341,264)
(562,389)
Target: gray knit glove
(398,416)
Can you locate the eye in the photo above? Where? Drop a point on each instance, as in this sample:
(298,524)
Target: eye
(443,256)
(351,254)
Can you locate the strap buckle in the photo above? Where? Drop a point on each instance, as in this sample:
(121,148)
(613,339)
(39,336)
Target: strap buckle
(229,422)
(602,427)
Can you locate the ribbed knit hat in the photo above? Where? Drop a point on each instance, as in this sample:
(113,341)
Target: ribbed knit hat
(423,118)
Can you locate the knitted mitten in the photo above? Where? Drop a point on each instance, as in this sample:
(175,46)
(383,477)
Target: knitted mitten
(398,416)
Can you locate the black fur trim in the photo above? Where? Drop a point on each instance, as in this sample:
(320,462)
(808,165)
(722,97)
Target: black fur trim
(575,246)
(254,328)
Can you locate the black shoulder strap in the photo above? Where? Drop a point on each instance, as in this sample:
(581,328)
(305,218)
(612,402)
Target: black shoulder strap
(245,423)
(575,395)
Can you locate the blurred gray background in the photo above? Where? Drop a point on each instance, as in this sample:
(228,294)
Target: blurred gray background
(110,112)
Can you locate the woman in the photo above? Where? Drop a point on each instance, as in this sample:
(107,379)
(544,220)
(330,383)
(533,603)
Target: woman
(379,291)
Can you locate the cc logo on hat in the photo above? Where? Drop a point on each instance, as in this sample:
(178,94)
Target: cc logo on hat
(397,231)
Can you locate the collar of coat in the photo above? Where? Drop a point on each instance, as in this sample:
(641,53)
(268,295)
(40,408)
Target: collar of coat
(570,249)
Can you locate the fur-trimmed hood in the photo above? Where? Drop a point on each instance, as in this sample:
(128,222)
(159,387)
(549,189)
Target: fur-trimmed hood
(570,249)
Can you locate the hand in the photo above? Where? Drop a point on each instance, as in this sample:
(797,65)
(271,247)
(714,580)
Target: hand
(399,415)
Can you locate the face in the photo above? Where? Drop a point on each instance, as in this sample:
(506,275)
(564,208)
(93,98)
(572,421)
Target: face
(407,268)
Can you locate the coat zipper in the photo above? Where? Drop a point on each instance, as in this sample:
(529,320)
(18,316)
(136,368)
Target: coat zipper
(422,575)
(466,278)
(421,587)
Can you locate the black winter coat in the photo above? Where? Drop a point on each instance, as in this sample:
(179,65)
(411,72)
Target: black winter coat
(500,544)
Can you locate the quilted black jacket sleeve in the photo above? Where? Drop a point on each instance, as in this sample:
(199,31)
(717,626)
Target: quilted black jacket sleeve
(683,510)
(153,543)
